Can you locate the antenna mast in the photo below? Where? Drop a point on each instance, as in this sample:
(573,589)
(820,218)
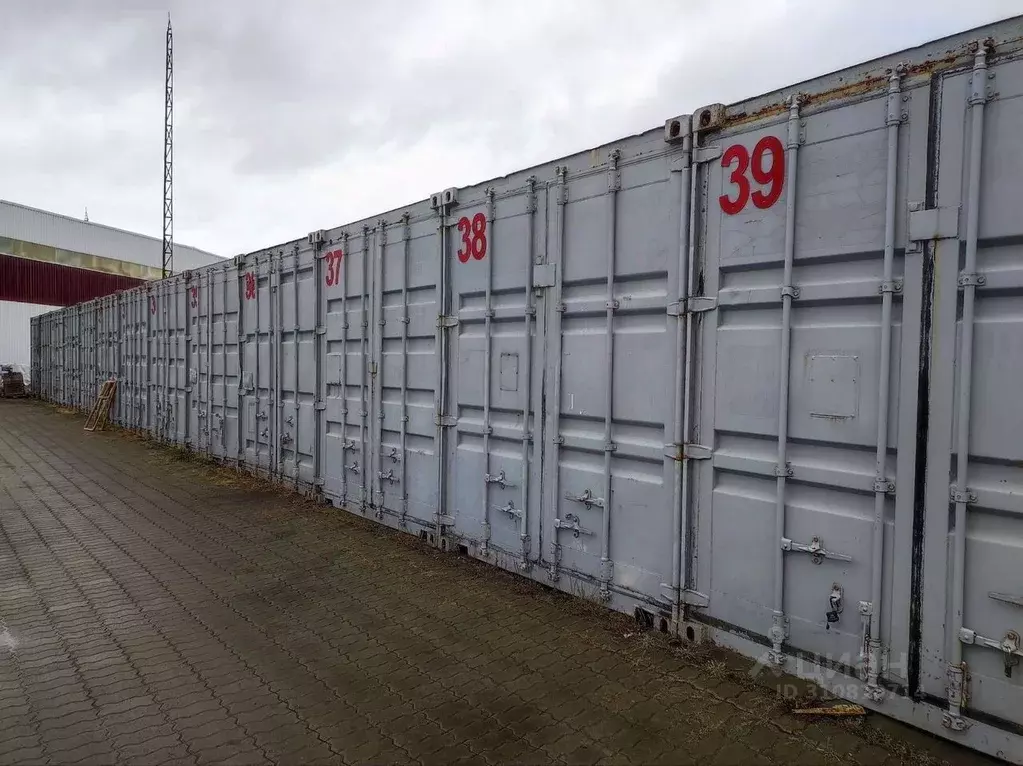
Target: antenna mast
(168,157)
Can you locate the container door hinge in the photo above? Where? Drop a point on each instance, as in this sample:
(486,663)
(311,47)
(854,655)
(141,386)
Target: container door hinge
(695,305)
(697,452)
(958,694)
(688,597)
(961,495)
(543,275)
(706,153)
(778,634)
(606,578)
(933,223)
(554,570)
(688,451)
(445,421)
(319,406)
(447,321)
(968,279)
(884,486)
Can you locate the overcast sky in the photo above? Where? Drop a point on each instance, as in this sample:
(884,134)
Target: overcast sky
(293,116)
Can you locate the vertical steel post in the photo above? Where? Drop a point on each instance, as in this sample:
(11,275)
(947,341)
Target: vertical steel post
(968,280)
(403,435)
(346,446)
(488,377)
(364,381)
(173,411)
(873,648)
(441,355)
(779,627)
(209,358)
(682,370)
(223,362)
(377,368)
(614,184)
(239,278)
(296,341)
(147,347)
(554,355)
(528,321)
(319,353)
(277,365)
(256,380)
(191,341)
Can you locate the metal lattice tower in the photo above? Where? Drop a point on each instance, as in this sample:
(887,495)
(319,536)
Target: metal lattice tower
(168,157)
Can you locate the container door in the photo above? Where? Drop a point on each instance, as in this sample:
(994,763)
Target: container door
(228,295)
(494,348)
(406,280)
(184,364)
(805,493)
(258,376)
(159,309)
(347,445)
(612,252)
(297,365)
(973,556)
(139,307)
(197,296)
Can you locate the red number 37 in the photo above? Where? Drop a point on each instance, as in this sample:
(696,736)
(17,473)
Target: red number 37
(771,176)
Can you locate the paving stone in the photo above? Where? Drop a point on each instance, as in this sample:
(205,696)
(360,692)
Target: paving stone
(170,615)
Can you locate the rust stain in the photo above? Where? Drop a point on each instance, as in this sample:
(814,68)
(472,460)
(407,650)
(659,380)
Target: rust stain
(847,90)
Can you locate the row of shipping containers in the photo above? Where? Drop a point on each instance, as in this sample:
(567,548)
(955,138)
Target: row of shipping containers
(750,376)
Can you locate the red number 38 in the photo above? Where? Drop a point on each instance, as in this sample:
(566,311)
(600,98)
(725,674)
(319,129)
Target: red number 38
(474,238)
(772,176)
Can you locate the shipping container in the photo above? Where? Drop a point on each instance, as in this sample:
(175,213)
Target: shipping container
(747,376)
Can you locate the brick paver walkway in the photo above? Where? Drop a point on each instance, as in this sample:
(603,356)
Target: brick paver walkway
(153,610)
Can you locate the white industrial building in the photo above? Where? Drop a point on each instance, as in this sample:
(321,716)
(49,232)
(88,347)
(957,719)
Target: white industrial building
(49,260)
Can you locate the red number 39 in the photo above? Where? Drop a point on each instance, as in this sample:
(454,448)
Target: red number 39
(772,176)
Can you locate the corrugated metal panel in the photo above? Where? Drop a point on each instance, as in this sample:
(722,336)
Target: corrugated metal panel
(15,341)
(45,228)
(664,375)
(51,284)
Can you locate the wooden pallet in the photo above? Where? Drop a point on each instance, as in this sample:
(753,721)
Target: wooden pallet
(99,416)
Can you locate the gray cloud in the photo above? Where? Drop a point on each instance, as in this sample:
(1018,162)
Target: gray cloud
(305,114)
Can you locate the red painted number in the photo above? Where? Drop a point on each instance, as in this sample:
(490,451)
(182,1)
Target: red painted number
(250,286)
(474,238)
(195,297)
(334,267)
(152,304)
(770,175)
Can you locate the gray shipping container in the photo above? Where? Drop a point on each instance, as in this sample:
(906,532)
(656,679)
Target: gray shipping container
(748,376)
